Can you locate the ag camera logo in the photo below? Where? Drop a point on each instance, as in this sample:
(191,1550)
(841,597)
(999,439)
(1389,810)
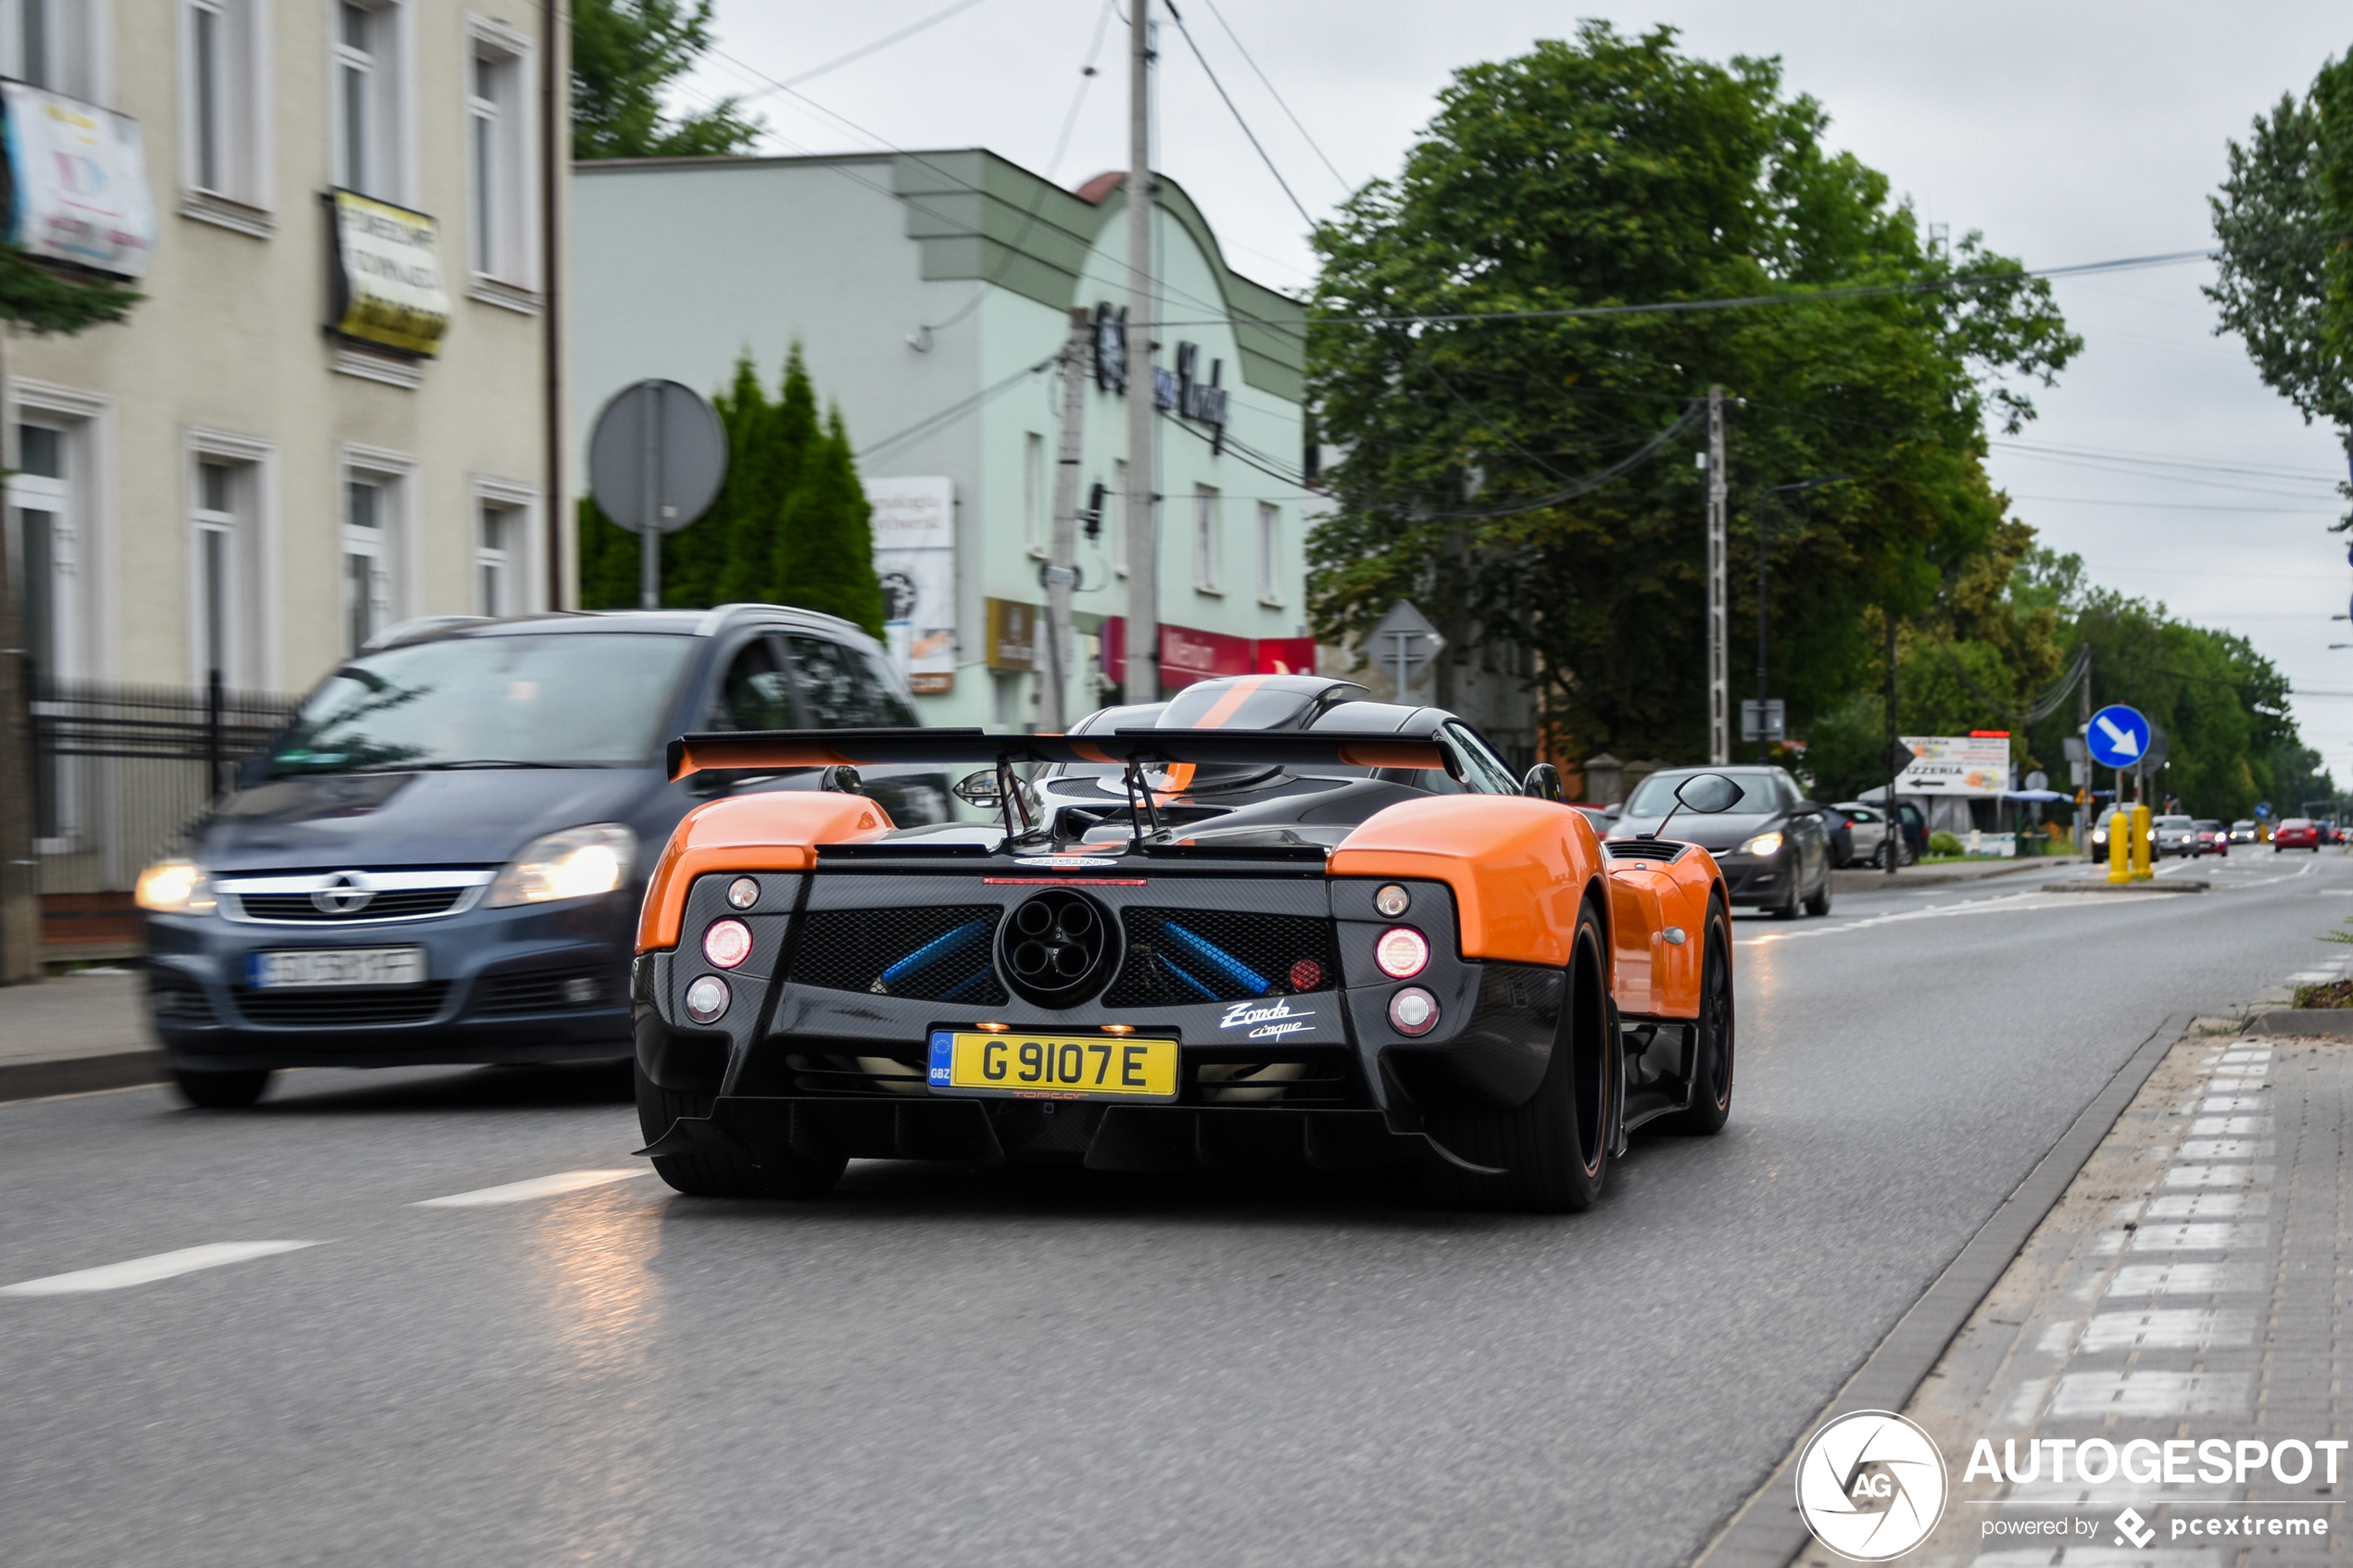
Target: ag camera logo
(1871,1486)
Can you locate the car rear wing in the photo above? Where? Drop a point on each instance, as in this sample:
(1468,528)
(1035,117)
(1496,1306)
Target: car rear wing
(774,750)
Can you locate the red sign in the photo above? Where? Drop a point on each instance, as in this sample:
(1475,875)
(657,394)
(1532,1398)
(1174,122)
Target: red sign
(1285,656)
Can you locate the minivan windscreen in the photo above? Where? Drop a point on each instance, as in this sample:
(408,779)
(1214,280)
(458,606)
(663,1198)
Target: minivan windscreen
(566,699)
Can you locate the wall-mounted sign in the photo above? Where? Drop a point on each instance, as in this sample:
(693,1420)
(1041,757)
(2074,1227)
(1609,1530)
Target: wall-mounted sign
(77,181)
(1110,347)
(386,276)
(1199,399)
(1186,655)
(1284,656)
(1013,630)
(914,523)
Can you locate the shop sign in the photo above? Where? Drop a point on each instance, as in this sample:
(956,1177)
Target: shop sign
(915,526)
(1203,401)
(1966,766)
(1186,655)
(1013,630)
(1110,347)
(78,183)
(1284,656)
(387,277)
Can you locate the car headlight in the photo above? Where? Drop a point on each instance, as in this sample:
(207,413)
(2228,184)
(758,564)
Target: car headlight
(576,863)
(1763,844)
(176,886)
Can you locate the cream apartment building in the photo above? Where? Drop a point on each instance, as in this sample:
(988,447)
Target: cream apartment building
(335,409)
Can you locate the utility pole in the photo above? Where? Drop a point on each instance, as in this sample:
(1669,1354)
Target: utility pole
(1062,550)
(1719,679)
(1763,743)
(2091,773)
(1144,524)
(19,872)
(1894,837)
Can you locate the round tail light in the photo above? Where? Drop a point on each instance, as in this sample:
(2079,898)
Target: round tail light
(1393,900)
(1401,953)
(1412,1012)
(727,943)
(707,999)
(743,893)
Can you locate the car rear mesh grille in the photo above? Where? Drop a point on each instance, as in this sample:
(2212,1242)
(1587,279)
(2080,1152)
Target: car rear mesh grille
(546,990)
(1180,956)
(931,955)
(336,1008)
(406,903)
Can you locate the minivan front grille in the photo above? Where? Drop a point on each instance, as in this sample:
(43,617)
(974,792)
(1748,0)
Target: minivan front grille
(337,1008)
(405,904)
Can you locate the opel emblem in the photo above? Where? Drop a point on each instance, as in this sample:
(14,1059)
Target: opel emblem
(346,893)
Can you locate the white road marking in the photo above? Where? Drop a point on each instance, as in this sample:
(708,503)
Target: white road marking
(2223,1175)
(2210,1205)
(2230,1127)
(2209,1237)
(2189,1279)
(2150,1393)
(2224,1105)
(538,1186)
(2230,1149)
(147,1271)
(2166,1328)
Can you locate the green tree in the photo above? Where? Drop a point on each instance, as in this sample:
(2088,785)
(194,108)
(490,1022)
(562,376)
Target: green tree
(1607,171)
(825,540)
(625,56)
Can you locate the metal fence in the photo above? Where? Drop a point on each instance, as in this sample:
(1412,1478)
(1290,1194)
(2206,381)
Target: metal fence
(121,771)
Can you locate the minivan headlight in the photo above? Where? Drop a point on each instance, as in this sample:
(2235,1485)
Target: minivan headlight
(576,863)
(175,887)
(1764,843)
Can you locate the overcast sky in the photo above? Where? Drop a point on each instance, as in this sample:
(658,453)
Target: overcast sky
(2067,132)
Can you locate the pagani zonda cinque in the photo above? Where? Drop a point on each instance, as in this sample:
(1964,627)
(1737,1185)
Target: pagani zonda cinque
(1262,922)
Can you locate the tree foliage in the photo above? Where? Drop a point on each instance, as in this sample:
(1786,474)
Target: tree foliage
(1608,169)
(42,300)
(791,526)
(626,54)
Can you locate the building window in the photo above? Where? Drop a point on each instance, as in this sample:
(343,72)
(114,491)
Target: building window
(497,543)
(371,553)
(369,100)
(1270,554)
(1118,504)
(1206,527)
(41,506)
(222,105)
(499,158)
(215,574)
(53,45)
(1033,492)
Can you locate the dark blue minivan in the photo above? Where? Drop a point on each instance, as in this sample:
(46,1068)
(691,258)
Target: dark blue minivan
(441,858)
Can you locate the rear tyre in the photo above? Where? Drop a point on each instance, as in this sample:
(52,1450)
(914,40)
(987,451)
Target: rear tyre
(1712,1054)
(221,1091)
(722,1172)
(1554,1150)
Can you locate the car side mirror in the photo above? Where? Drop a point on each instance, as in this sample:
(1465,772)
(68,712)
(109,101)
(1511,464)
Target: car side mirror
(979,790)
(841,779)
(1543,782)
(1707,794)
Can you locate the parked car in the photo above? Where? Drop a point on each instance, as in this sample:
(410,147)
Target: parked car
(2213,838)
(442,857)
(1866,833)
(2174,835)
(1771,843)
(1842,834)
(2296,833)
(2243,831)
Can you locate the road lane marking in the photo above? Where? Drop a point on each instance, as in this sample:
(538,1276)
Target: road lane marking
(147,1271)
(538,1186)
(2150,1394)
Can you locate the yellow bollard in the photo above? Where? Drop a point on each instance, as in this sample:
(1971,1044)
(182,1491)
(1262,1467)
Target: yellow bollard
(2120,829)
(2141,844)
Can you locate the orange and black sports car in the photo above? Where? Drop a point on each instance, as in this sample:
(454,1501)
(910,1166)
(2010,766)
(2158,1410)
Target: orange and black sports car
(1262,922)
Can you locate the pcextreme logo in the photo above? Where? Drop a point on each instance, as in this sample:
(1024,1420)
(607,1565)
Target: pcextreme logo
(1871,1486)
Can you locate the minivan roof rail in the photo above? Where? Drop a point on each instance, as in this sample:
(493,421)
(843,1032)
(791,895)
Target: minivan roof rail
(423,626)
(719,617)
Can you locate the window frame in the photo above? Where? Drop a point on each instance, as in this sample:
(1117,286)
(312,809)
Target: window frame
(521,563)
(1209,553)
(253,623)
(1033,494)
(239,194)
(391,543)
(1270,554)
(508,274)
(81,59)
(389,119)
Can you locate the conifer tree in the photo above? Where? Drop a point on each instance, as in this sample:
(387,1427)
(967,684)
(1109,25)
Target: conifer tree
(825,557)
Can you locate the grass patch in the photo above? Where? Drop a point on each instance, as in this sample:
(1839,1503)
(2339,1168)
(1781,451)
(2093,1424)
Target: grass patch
(2336,994)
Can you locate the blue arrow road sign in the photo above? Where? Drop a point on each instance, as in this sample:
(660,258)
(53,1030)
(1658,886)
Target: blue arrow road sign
(2119,737)
(2263,808)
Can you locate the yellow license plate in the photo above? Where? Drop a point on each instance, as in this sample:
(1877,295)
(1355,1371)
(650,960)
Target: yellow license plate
(1081,1066)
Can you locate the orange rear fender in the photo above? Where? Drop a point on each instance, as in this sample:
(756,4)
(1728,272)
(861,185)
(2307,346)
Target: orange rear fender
(778,831)
(1519,867)
(1654,977)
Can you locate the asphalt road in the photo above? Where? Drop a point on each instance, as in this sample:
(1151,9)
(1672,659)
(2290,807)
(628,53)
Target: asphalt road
(937,1366)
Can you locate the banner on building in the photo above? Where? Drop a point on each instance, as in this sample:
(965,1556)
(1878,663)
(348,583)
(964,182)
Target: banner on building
(1284,656)
(1976,766)
(387,276)
(1015,631)
(1186,655)
(78,182)
(914,524)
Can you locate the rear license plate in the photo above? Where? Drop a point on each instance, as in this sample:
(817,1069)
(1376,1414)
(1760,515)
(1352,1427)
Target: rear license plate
(1118,1067)
(337,966)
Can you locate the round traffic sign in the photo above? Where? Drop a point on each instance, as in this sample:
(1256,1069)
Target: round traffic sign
(2263,810)
(2118,736)
(657,457)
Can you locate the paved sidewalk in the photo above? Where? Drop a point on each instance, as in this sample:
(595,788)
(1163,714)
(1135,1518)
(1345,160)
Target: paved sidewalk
(2192,1287)
(1869,879)
(72,1033)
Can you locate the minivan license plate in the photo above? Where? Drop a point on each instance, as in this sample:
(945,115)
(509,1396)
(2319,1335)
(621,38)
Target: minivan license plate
(337,966)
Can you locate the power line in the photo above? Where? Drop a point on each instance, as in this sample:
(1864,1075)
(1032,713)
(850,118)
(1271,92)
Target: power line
(858,54)
(1179,17)
(1345,182)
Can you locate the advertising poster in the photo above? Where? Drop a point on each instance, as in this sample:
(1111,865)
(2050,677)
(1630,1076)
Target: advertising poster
(387,276)
(914,525)
(79,179)
(1975,766)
